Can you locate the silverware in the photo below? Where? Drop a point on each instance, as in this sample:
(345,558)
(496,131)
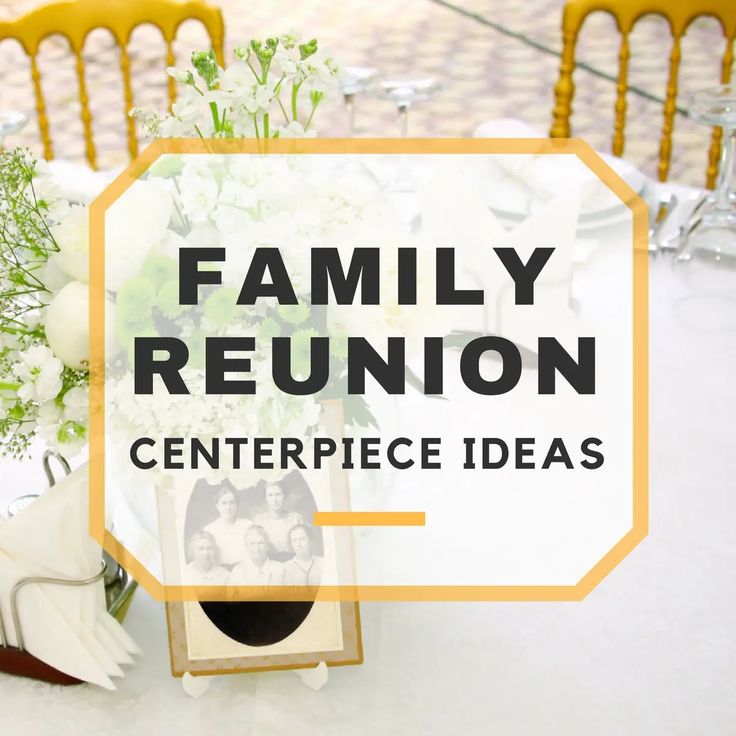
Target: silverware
(664,207)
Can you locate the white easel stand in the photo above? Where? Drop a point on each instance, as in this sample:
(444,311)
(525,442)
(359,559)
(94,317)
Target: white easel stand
(315,678)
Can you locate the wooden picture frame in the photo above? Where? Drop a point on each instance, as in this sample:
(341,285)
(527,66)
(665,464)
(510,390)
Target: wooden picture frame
(249,635)
(180,645)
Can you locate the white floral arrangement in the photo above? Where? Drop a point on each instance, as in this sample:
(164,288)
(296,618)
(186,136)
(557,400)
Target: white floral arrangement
(43,313)
(44,239)
(242,202)
(260,95)
(185,201)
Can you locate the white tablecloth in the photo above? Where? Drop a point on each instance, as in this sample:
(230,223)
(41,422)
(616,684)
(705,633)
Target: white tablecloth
(652,650)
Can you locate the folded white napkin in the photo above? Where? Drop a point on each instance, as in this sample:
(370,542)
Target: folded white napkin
(66,627)
(544,176)
(454,212)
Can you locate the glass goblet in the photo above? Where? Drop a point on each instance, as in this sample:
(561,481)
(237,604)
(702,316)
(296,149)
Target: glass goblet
(404,92)
(711,230)
(11,121)
(354,81)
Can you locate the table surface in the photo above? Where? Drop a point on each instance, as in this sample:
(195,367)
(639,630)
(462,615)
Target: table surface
(651,650)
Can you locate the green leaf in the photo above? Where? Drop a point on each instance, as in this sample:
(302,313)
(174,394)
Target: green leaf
(357,411)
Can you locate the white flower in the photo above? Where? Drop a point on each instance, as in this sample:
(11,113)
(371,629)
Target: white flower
(49,418)
(198,197)
(39,372)
(296,130)
(179,75)
(188,105)
(72,237)
(53,276)
(65,428)
(259,99)
(236,198)
(45,187)
(236,79)
(285,61)
(238,194)
(202,235)
(67,325)
(136,222)
(76,404)
(172,127)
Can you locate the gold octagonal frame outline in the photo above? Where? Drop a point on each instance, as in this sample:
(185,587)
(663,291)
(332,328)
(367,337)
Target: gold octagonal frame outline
(640,330)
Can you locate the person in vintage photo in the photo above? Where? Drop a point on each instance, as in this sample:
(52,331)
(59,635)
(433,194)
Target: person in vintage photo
(228,529)
(305,568)
(257,568)
(278,521)
(203,568)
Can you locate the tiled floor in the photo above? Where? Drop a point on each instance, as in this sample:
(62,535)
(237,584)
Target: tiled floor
(493,58)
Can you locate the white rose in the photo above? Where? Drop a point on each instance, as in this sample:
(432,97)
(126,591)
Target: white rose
(67,325)
(53,276)
(136,222)
(72,237)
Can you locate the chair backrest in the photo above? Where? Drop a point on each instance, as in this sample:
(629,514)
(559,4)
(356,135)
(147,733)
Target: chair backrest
(75,19)
(679,14)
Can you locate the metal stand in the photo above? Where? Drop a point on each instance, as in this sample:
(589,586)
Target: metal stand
(16,660)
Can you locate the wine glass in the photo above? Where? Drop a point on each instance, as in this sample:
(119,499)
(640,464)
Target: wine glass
(711,230)
(706,256)
(354,81)
(404,92)
(11,121)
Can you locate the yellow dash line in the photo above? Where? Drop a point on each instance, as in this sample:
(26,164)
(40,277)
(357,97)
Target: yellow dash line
(369,518)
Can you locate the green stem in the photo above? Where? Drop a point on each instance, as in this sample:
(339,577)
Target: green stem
(215,119)
(266,132)
(19,331)
(277,88)
(9,386)
(255,125)
(264,68)
(255,73)
(283,109)
(309,120)
(294,93)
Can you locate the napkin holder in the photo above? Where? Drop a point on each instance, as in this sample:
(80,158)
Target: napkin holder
(18,661)
(119,590)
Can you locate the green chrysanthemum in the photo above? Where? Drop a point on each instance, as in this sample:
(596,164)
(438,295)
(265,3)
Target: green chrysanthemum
(221,308)
(268,328)
(160,270)
(293,313)
(135,300)
(167,300)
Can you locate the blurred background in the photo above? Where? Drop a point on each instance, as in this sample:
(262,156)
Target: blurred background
(492,59)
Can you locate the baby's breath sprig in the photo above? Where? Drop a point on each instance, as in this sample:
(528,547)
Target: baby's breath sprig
(26,242)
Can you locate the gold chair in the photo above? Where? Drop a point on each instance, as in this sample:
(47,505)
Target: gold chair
(75,19)
(679,14)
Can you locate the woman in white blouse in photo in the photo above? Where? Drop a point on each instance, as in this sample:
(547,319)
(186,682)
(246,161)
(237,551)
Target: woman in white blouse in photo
(305,568)
(257,568)
(277,521)
(203,569)
(228,530)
